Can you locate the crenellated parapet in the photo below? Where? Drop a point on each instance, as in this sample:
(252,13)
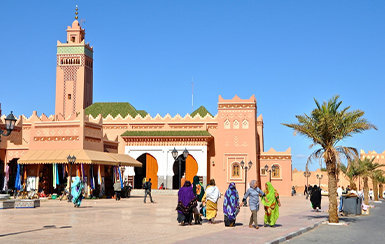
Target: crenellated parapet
(157,118)
(373,154)
(273,154)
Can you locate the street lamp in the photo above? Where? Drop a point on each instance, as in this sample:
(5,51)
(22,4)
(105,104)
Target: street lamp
(269,170)
(307,174)
(319,177)
(10,122)
(174,154)
(71,160)
(246,167)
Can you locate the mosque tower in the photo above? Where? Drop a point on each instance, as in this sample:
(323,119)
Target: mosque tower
(74,73)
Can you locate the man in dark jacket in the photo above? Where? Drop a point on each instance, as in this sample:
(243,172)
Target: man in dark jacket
(147,190)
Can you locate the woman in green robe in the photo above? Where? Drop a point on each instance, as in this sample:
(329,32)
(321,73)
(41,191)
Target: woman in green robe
(271,204)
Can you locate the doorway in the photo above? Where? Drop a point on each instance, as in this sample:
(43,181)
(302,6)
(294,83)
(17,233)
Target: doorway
(148,170)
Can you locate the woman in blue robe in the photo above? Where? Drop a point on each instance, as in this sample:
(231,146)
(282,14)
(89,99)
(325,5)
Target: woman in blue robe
(76,191)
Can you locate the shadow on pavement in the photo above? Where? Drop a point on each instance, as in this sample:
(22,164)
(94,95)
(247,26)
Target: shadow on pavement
(46,227)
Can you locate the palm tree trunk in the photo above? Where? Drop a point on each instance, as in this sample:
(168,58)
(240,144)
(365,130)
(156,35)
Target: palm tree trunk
(366,190)
(381,190)
(332,188)
(375,189)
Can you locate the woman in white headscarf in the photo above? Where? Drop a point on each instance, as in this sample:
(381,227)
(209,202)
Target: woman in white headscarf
(253,193)
(210,200)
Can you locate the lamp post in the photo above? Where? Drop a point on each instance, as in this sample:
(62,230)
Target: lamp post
(269,170)
(307,174)
(174,154)
(71,160)
(319,177)
(10,122)
(246,167)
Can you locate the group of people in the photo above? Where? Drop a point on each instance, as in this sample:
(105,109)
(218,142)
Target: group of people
(194,202)
(315,196)
(350,192)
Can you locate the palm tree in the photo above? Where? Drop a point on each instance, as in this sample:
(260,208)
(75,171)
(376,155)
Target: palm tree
(326,126)
(381,182)
(375,176)
(367,169)
(352,172)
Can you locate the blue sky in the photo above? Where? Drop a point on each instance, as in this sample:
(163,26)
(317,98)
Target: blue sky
(147,53)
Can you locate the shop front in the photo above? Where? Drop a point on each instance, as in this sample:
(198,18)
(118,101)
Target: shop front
(49,171)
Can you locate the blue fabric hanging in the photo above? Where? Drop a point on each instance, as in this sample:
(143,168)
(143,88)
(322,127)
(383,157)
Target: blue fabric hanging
(120,177)
(92,178)
(18,179)
(57,175)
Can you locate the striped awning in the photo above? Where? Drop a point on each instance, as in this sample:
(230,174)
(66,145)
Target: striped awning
(82,157)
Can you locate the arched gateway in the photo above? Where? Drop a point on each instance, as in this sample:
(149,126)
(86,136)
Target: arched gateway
(189,168)
(149,169)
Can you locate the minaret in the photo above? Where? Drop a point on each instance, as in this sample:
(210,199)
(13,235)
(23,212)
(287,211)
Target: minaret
(74,73)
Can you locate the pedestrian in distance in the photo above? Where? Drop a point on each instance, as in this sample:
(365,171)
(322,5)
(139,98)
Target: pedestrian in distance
(147,190)
(271,205)
(339,191)
(231,205)
(161,187)
(309,190)
(118,190)
(293,191)
(253,193)
(210,200)
(306,191)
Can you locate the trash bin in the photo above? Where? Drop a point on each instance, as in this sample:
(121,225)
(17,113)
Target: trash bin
(351,205)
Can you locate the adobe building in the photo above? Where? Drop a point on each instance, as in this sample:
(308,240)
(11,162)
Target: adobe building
(299,180)
(217,144)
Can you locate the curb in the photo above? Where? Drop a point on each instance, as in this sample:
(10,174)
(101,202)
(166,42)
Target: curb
(294,234)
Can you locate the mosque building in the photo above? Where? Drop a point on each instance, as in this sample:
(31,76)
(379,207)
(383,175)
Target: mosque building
(107,136)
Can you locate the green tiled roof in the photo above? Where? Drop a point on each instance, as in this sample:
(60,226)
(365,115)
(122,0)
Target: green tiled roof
(202,111)
(74,50)
(167,133)
(114,109)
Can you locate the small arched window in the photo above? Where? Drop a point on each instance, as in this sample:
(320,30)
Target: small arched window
(245,124)
(236,124)
(236,170)
(227,124)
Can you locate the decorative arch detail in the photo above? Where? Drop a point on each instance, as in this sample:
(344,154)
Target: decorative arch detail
(245,124)
(227,124)
(236,124)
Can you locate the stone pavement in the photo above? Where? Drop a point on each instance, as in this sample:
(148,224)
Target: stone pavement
(359,229)
(132,221)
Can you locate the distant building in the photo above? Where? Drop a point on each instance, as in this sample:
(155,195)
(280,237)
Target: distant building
(217,144)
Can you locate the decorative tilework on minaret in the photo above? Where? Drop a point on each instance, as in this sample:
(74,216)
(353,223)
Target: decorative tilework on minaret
(74,72)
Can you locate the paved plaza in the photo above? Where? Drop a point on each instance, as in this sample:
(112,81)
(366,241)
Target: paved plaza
(132,221)
(356,229)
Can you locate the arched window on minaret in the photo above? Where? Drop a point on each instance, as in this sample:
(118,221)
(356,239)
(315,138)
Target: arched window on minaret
(235,124)
(245,124)
(227,124)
